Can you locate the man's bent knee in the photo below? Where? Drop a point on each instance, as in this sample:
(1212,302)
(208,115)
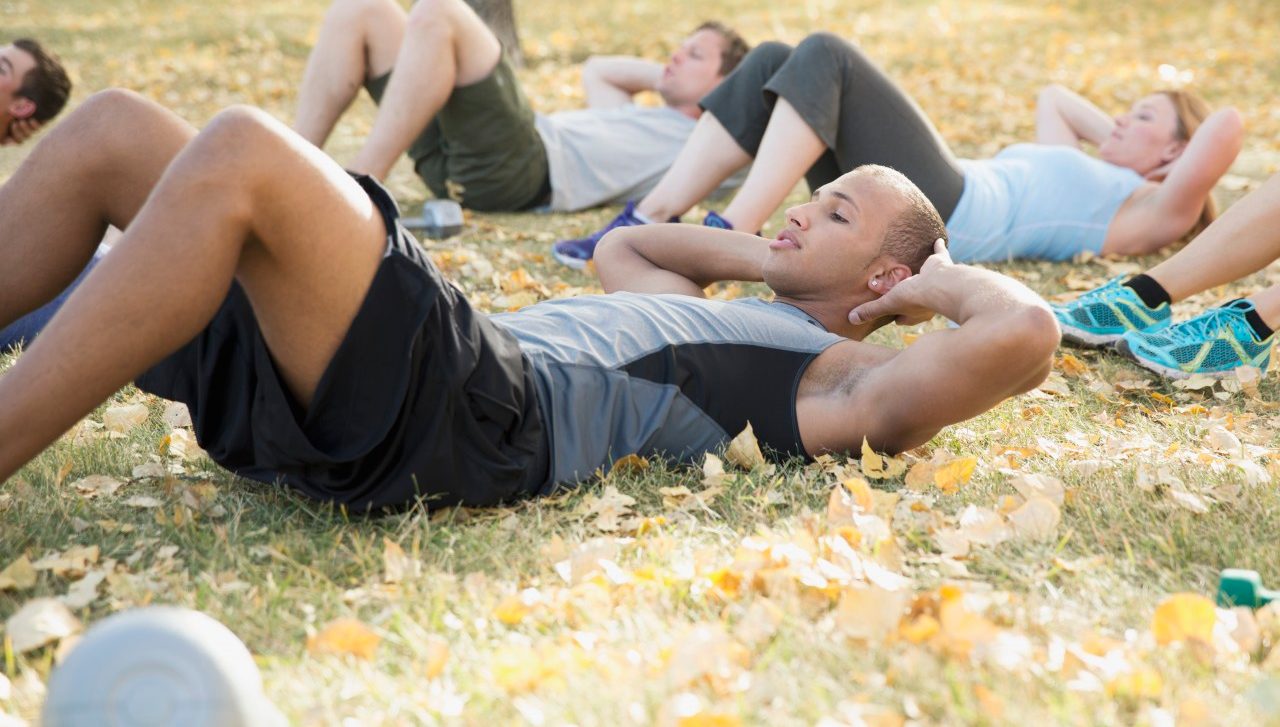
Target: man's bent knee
(105,107)
(238,141)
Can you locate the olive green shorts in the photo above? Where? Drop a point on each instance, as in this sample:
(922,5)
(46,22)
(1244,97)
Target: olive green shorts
(482,149)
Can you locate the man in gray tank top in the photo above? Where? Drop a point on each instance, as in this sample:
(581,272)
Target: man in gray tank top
(450,98)
(317,347)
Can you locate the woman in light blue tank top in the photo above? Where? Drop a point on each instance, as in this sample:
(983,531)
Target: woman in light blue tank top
(828,108)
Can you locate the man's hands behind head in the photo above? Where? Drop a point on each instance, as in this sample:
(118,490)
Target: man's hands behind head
(19,131)
(907,301)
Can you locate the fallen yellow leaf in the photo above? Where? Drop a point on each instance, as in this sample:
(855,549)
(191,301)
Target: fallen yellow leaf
(709,719)
(879,467)
(1184,616)
(345,636)
(1140,683)
(744,450)
(40,622)
(18,575)
(950,476)
(437,656)
(629,465)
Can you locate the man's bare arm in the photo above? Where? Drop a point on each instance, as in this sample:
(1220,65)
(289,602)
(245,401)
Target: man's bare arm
(1003,346)
(674,258)
(611,81)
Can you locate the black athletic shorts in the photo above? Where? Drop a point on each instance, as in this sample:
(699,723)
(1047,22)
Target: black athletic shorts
(424,398)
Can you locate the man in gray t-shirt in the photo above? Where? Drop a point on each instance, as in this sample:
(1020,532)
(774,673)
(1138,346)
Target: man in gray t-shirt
(454,104)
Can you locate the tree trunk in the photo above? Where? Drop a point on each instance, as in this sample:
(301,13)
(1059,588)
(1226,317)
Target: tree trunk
(501,18)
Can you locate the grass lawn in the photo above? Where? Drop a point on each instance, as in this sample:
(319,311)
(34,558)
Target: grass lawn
(1011,575)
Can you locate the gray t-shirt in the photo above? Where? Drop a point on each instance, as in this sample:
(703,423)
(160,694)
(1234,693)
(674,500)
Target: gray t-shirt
(667,375)
(603,156)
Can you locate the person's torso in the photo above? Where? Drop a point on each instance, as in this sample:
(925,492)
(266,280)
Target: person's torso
(600,156)
(1036,201)
(666,375)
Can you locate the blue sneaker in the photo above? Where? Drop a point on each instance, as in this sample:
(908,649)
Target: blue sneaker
(713,219)
(575,253)
(1103,315)
(1213,343)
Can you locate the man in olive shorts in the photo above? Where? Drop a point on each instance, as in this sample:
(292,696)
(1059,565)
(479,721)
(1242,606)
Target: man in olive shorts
(454,103)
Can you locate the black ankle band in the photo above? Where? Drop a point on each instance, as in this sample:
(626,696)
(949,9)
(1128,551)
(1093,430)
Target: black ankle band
(1151,292)
(1257,324)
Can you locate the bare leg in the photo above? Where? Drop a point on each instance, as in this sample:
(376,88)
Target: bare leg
(788,149)
(786,152)
(708,157)
(1244,240)
(246,199)
(90,171)
(359,40)
(445,45)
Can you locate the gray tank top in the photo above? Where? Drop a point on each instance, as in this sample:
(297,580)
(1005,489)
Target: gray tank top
(666,375)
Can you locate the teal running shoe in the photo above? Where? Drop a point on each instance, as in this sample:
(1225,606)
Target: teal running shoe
(1213,343)
(1103,315)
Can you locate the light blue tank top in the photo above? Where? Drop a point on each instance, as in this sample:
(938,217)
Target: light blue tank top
(666,375)
(1036,201)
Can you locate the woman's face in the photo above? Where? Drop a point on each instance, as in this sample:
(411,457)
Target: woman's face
(1146,137)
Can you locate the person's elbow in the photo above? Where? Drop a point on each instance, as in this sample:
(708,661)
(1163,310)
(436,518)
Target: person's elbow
(1030,339)
(610,257)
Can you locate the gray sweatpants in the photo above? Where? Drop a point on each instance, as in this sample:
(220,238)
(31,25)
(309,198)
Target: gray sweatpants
(858,112)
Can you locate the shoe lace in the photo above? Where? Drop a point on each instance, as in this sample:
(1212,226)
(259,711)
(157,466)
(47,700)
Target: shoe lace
(1207,325)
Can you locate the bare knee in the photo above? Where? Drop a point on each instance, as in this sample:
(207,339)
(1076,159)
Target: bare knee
(433,16)
(108,125)
(115,109)
(352,12)
(238,143)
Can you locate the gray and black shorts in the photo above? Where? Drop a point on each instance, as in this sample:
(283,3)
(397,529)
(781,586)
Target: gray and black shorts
(425,398)
(858,112)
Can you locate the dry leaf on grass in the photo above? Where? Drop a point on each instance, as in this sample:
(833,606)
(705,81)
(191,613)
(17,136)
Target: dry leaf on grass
(1195,382)
(18,575)
(1183,617)
(144,501)
(608,508)
(950,476)
(40,622)
(712,471)
(879,467)
(436,657)
(1033,485)
(744,450)
(631,464)
(123,418)
(84,591)
(74,562)
(176,415)
(1036,519)
(1222,440)
(869,613)
(149,470)
(95,485)
(345,636)
(396,564)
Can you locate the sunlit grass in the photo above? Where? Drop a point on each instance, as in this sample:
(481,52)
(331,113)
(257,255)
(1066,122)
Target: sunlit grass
(614,649)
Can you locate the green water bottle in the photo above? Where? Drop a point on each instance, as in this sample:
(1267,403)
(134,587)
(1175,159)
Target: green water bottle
(1243,588)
